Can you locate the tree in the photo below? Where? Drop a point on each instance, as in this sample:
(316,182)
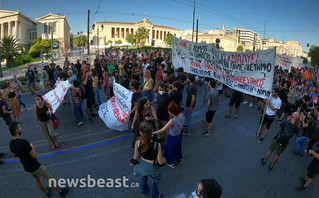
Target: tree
(314,54)
(141,35)
(240,48)
(109,41)
(118,42)
(130,38)
(202,41)
(169,39)
(305,60)
(9,50)
(81,41)
(248,50)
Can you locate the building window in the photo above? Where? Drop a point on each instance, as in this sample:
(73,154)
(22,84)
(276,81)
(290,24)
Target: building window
(122,32)
(161,35)
(164,35)
(156,34)
(113,32)
(30,36)
(153,34)
(54,27)
(45,28)
(132,31)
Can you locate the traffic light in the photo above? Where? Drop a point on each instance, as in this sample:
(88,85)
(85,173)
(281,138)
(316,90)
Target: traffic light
(307,44)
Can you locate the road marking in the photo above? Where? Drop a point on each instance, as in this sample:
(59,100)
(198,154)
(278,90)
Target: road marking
(90,145)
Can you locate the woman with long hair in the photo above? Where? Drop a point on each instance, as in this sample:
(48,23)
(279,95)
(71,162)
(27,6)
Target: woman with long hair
(150,154)
(96,88)
(173,148)
(12,95)
(43,117)
(106,87)
(144,112)
(77,102)
(148,85)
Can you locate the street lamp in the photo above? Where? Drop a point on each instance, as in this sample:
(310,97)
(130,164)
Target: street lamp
(265,32)
(98,38)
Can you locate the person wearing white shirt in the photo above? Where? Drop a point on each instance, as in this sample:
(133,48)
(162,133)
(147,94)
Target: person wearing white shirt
(272,105)
(145,64)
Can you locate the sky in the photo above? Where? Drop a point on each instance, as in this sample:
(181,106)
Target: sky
(286,19)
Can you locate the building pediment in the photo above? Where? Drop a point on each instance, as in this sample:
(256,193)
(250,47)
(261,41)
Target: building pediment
(144,22)
(5,13)
(50,16)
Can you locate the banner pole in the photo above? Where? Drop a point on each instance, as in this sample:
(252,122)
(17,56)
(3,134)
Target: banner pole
(262,120)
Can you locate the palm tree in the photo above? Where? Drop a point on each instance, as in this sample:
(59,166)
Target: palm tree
(141,35)
(9,49)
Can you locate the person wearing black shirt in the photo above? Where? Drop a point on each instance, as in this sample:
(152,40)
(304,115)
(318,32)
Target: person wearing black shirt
(190,102)
(128,68)
(287,129)
(125,82)
(27,154)
(177,95)
(5,109)
(31,79)
(52,79)
(163,100)
(181,77)
(89,94)
(236,98)
(153,70)
(98,68)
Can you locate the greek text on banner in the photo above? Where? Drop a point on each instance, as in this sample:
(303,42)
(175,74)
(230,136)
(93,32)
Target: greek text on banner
(250,72)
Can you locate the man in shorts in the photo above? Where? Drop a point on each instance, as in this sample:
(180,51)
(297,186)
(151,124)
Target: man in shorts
(25,151)
(236,99)
(31,79)
(212,104)
(313,169)
(273,104)
(287,129)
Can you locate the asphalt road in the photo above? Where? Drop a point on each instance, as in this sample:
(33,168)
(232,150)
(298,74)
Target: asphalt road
(231,156)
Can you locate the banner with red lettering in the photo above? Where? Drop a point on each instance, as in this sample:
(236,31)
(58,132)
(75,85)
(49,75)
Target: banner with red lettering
(55,97)
(248,72)
(115,111)
(286,62)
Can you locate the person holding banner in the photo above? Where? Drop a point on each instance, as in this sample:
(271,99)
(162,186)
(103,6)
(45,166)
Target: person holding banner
(43,117)
(273,104)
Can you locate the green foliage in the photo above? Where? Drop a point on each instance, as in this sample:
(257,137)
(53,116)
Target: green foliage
(314,54)
(248,50)
(118,42)
(130,38)
(110,41)
(46,45)
(81,41)
(40,44)
(202,41)
(169,39)
(240,48)
(18,61)
(35,50)
(26,58)
(9,49)
(141,35)
(305,60)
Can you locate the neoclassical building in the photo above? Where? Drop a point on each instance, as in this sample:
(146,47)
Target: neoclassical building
(60,27)
(14,23)
(115,31)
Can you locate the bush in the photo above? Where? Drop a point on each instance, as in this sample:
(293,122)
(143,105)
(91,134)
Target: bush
(35,51)
(26,58)
(248,50)
(18,61)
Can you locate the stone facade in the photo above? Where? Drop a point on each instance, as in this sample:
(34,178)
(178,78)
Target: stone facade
(60,27)
(115,31)
(14,23)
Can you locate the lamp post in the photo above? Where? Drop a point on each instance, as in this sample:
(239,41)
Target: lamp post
(98,36)
(265,33)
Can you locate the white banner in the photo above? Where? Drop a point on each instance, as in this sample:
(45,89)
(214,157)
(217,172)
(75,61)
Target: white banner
(286,62)
(115,111)
(248,72)
(55,97)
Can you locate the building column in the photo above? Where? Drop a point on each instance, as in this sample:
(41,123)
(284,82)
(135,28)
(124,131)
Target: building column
(9,29)
(16,29)
(2,30)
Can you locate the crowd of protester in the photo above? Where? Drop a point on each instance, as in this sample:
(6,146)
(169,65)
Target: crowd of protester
(159,117)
